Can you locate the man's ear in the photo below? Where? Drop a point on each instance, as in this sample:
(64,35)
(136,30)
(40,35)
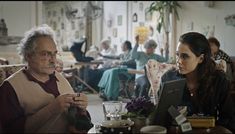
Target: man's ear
(201,58)
(27,56)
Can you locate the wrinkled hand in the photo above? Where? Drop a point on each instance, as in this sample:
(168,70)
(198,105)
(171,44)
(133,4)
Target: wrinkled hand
(62,103)
(80,101)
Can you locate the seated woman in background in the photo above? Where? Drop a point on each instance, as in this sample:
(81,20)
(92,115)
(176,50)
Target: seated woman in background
(207,91)
(124,58)
(92,74)
(109,83)
(218,55)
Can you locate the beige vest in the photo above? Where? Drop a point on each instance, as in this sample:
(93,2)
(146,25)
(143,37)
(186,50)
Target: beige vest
(33,99)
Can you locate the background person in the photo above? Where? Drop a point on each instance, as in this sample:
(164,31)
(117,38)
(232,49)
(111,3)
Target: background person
(218,54)
(109,82)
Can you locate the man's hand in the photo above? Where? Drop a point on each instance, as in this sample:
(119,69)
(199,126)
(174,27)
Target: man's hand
(80,101)
(63,102)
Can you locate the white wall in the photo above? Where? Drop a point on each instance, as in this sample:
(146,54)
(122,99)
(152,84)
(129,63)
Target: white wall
(19,16)
(113,9)
(203,19)
(127,30)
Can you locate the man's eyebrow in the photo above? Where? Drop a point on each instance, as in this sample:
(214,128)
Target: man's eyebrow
(49,51)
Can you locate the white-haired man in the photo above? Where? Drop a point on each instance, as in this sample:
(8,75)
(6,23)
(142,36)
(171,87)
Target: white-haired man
(36,98)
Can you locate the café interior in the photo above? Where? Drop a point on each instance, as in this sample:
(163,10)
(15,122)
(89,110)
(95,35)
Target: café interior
(83,27)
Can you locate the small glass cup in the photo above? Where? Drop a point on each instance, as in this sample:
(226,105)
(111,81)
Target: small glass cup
(112,110)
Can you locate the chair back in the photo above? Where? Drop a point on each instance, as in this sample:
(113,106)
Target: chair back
(154,71)
(8,70)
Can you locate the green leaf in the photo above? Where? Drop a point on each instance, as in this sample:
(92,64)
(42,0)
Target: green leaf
(159,6)
(159,27)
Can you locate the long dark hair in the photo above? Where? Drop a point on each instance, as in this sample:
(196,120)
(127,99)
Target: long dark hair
(128,45)
(199,44)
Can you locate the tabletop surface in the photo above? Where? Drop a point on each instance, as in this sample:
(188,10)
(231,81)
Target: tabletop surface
(173,129)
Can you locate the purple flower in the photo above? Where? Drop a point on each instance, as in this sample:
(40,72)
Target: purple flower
(140,106)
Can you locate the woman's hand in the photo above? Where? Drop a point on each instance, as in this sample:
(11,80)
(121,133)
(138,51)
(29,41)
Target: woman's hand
(137,39)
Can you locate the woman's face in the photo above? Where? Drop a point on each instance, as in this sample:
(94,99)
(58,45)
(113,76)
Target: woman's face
(186,60)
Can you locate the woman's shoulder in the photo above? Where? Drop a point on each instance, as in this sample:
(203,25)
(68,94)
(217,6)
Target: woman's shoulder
(220,81)
(171,74)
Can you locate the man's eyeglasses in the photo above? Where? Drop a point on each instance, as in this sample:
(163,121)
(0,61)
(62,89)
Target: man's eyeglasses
(47,54)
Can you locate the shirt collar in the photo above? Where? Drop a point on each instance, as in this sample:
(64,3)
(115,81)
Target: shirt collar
(31,78)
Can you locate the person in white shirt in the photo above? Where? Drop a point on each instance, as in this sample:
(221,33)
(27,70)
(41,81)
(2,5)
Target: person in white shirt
(106,51)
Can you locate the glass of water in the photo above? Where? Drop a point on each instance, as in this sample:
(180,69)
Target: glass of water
(112,110)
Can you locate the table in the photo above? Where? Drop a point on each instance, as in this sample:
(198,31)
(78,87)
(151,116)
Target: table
(216,129)
(173,129)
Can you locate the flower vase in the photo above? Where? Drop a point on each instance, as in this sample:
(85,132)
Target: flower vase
(139,122)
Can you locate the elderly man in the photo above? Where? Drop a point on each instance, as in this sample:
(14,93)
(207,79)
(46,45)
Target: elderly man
(36,98)
(141,58)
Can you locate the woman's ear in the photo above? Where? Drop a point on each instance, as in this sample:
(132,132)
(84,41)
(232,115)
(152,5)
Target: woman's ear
(201,58)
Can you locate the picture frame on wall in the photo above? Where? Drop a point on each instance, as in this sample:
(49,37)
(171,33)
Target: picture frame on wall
(54,25)
(49,14)
(73,25)
(141,6)
(62,11)
(81,25)
(119,20)
(62,26)
(54,13)
(115,32)
(58,33)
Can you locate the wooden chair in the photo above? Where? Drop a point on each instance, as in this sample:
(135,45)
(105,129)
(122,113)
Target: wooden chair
(4,61)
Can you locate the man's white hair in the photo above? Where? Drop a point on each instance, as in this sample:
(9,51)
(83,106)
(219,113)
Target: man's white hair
(28,43)
(106,41)
(150,44)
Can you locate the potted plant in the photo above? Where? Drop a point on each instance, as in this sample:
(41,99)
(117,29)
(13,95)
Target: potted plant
(139,110)
(165,8)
